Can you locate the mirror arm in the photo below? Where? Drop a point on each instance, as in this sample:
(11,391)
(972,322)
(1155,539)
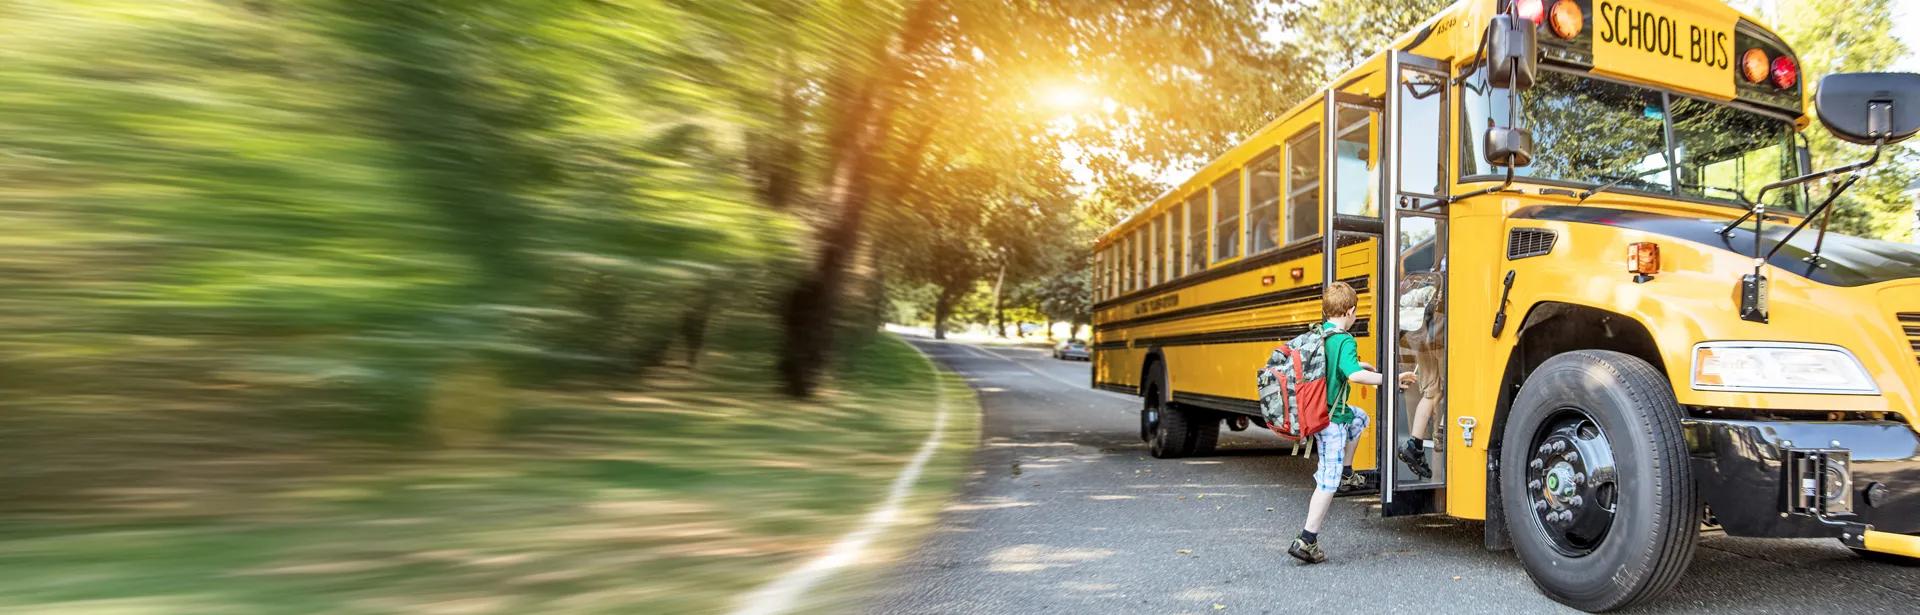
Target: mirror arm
(1878,146)
(1816,213)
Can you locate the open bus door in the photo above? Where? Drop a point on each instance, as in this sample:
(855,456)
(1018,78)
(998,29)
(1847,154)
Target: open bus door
(1351,209)
(1410,313)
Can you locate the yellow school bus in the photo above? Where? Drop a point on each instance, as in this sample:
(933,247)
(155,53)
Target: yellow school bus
(1592,225)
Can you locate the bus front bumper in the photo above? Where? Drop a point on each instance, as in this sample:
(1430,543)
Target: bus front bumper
(1763,478)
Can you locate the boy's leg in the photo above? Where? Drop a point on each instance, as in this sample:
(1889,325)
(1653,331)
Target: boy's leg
(1326,480)
(1336,445)
(1422,427)
(1330,447)
(1354,429)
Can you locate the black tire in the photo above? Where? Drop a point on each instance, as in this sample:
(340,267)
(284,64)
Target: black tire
(1172,436)
(1885,558)
(1649,510)
(1205,425)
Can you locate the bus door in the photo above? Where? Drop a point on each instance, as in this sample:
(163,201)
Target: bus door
(1351,241)
(1412,315)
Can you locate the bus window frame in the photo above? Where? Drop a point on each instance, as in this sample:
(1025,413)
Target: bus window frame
(1278,155)
(1239,215)
(1310,140)
(1200,252)
(1667,94)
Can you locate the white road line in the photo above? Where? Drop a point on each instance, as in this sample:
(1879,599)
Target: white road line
(783,594)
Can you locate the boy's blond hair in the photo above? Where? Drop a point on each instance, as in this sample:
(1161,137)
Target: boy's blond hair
(1338,300)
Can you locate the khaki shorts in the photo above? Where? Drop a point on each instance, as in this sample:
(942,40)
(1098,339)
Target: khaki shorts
(1429,370)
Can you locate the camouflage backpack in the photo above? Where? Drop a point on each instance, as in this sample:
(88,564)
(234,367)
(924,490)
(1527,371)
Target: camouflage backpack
(1293,386)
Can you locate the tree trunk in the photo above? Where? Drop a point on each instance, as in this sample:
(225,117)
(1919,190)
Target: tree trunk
(807,316)
(942,310)
(999,311)
(1049,329)
(693,324)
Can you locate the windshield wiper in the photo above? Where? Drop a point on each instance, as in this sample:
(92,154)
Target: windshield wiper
(1617,181)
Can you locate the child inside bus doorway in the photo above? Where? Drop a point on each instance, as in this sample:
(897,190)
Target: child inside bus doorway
(1423,329)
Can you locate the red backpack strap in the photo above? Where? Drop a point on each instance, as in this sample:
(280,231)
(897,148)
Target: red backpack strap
(1298,375)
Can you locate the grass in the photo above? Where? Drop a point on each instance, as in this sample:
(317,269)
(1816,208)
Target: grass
(673,499)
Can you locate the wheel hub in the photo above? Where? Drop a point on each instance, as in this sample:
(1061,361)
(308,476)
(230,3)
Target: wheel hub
(1572,482)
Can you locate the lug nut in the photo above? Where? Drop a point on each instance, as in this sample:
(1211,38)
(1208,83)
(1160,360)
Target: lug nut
(1546,447)
(1574,502)
(1536,464)
(1579,478)
(1533,485)
(1539,506)
(1573,457)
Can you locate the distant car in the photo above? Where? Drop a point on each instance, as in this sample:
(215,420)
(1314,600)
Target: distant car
(1072,349)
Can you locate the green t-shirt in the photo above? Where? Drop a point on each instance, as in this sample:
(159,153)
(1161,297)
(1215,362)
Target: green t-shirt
(1343,361)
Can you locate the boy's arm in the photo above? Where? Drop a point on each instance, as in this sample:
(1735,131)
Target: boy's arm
(1349,364)
(1361,373)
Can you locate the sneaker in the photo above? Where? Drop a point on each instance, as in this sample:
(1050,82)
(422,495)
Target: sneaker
(1352,481)
(1415,457)
(1309,553)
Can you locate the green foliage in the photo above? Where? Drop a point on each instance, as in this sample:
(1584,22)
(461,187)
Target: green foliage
(1341,33)
(330,204)
(1834,37)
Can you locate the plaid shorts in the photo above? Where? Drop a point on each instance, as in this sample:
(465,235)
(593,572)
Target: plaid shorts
(1332,443)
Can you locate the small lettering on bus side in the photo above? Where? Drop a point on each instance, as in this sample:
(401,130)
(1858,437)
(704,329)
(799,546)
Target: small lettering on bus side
(1659,34)
(1156,304)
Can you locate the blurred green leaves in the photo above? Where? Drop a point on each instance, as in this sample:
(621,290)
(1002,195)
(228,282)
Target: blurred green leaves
(272,206)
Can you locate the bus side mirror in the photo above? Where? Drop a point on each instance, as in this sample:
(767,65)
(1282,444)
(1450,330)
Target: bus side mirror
(1866,108)
(1513,52)
(1509,147)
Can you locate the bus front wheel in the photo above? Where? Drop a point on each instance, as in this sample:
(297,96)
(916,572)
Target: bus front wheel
(1595,481)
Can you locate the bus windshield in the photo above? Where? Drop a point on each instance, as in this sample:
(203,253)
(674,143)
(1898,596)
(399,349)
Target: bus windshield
(1588,131)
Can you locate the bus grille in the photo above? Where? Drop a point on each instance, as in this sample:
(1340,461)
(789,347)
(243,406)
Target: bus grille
(1525,242)
(1910,325)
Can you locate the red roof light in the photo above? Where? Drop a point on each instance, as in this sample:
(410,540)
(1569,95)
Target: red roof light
(1785,72)
(1530,10)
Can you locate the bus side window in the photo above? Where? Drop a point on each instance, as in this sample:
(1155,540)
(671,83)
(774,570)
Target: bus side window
(1303,185)
(1176,241)
(1156,253)
(1354,165)
(1226,216)
(1197,232)
(1263,203)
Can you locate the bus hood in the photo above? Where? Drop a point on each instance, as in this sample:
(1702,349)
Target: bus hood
(1845,260)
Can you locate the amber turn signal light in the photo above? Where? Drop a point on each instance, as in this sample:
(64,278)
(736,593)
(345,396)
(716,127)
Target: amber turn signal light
(1753,65)
(1565,19)
(1643,258)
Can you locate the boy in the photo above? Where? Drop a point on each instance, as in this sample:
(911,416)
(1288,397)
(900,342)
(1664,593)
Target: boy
(1336,442)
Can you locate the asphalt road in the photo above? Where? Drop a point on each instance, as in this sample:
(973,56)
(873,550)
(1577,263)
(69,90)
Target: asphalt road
(1065,512)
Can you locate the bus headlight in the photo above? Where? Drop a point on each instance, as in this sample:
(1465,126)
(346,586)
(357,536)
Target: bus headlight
(1779,367)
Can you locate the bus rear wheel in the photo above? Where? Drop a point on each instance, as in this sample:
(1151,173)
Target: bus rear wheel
(1170,431)
(1595,481)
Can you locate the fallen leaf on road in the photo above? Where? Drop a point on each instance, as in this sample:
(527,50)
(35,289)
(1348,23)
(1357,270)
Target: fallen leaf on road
(1200,497)
(1269,509)
(1219,607)
(1184,551)
(1456,578)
